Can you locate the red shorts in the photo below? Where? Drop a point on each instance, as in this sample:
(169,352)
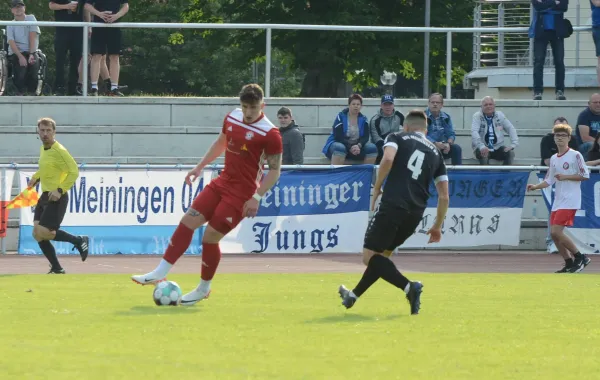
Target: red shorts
(220,213)
(562,217)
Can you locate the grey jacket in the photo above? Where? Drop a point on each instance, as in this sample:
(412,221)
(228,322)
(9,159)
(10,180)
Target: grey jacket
(387,125)
(501,125)
(293,145)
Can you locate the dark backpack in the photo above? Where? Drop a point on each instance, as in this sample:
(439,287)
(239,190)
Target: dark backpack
(378,122)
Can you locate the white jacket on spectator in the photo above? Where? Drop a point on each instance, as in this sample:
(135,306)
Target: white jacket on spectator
(501,125)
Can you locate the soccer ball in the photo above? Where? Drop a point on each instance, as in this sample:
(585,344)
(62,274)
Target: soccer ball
(167,293)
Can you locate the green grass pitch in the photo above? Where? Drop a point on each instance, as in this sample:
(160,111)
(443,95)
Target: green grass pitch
(281,326)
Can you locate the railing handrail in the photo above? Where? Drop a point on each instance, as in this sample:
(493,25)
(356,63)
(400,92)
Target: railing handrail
(17,166)
(353,28)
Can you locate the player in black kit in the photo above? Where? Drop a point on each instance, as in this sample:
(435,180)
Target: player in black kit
(410,162)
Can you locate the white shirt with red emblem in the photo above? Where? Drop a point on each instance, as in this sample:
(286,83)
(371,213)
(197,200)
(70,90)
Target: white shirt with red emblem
(567,195)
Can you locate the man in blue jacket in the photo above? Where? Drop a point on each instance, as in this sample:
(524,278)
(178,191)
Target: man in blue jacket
(440,130)
(548,26)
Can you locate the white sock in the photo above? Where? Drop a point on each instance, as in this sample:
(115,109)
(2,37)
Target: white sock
(407,288)
(163,268)
(204,286)
(351,294)
(95,85)
(114,86)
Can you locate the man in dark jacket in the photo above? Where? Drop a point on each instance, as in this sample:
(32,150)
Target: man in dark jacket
(293,139)
(548,26)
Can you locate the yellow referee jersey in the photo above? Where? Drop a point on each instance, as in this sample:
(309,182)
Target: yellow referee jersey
(57,169)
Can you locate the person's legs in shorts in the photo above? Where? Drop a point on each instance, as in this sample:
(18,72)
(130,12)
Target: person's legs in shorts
(46,227)
(224,219)
(113,44)
(383,235)
(574,260)
(201,211)
(98,49)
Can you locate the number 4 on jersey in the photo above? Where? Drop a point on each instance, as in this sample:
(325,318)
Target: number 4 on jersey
(415,162)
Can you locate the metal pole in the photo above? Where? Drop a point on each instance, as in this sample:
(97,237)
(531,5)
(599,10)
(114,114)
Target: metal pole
(268,66)
(501,35)
(84,56)
(2,197)
(578,19)
(426,50)
(449,65)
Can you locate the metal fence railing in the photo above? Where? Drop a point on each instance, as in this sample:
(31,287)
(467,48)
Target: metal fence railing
(270,27)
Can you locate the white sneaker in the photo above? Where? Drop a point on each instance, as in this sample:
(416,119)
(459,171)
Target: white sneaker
(552,248)
(194,297)
(147,279)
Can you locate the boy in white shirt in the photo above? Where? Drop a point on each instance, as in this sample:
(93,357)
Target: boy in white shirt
(567,170)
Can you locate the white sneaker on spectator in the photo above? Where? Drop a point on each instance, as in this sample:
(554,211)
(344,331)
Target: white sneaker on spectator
(552,248)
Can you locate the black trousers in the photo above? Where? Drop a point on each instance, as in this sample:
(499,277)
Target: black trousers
(25,77)
(68,40)
(540,44)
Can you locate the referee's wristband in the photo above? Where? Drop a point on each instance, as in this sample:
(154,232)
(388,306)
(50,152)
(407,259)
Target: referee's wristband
(257,197)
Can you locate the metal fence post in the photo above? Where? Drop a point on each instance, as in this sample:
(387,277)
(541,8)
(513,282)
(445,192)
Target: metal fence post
(578,20)
(449,65)
(500,35)
(84,56)
(2,197)
(268,66)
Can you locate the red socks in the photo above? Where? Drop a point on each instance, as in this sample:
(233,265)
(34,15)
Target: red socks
(211,255)
(180,241)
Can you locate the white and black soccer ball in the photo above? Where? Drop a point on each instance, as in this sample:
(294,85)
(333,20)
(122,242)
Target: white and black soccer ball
(167,293)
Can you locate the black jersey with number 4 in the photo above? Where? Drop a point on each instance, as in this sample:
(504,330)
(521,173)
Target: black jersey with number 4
(417,163)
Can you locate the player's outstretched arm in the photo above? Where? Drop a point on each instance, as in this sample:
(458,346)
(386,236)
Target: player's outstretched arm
(274,162)
(215,150)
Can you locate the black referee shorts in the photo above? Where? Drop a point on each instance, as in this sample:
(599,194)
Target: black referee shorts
(51,214)
(390,227)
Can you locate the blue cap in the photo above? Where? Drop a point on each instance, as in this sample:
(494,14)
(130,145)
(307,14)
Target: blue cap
(387,99)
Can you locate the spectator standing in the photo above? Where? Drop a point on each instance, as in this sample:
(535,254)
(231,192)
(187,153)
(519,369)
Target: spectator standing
(106,40)
(67,40)
(548,26)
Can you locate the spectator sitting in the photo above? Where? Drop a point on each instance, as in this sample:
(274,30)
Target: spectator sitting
(386,121)
(23,42)
(293,139)
(487,134)
(440,130)
(350,136)
(594,154)
(548,149)
(588,125)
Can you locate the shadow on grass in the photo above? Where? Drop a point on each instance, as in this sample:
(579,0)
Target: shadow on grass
(7,275)
(353,318)
(158,310)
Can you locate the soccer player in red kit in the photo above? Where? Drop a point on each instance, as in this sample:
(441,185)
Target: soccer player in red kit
(248,138)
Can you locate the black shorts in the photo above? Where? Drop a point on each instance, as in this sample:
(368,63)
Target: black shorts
(106,41)
(390,227)
(51,214)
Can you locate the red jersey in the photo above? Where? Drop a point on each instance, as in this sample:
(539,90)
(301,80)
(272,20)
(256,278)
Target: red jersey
(247,147)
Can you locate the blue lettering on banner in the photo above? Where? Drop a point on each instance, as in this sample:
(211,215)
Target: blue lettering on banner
(484,189)
(124,199)
(316,240)
(328,191)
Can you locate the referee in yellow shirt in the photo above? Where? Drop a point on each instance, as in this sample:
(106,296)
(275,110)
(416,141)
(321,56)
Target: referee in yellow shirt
(57,172)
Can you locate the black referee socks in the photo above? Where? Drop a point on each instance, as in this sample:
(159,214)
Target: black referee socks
(50,253)
(65,236)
